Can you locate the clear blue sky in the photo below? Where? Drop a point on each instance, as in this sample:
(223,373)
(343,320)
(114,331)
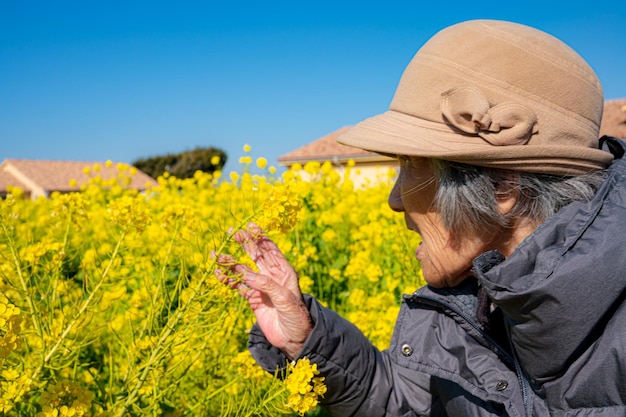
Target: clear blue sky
(120,80)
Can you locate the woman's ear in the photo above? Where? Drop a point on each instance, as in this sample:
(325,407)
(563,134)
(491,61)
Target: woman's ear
(507,192)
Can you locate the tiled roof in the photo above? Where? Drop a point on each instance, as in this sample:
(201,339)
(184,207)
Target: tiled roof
(326,149)
(56,175)
(7,179)
(614,118)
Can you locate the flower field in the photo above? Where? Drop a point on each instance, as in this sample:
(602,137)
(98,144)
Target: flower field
(109,306)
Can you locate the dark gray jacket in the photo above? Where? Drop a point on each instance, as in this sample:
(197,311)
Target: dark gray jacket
(557,345)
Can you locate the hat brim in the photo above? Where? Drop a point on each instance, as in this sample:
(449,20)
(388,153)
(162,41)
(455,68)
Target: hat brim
(400,134)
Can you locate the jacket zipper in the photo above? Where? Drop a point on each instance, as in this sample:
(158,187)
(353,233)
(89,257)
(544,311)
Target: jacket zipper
(524,385)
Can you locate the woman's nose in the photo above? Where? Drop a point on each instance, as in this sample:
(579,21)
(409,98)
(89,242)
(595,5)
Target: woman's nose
(395,197)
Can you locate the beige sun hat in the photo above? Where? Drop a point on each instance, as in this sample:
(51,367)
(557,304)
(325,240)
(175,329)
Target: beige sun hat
(493,93)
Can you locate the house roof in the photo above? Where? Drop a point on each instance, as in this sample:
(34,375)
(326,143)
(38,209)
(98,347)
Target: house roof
(56,175)
(614,118)
(7,179)
(328,149)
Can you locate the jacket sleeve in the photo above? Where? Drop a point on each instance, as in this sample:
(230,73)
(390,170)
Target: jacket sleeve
(361,380)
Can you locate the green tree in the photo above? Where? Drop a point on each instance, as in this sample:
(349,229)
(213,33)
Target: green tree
(184,164)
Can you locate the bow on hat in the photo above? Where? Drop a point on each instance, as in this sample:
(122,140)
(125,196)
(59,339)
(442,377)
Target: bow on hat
(505,123)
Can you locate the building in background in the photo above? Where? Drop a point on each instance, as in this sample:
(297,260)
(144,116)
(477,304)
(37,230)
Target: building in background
(614,118)
(369,167)
(41,178)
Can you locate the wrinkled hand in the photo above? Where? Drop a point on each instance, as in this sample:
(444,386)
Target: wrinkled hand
(273,293)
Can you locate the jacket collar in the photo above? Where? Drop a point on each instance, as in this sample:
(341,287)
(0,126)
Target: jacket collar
(562,283)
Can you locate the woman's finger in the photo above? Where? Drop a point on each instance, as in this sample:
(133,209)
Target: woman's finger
(264,252)
(225,260)
(235,282)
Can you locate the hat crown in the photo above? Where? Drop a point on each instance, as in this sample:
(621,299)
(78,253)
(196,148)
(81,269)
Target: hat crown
(493,93)
(507,62)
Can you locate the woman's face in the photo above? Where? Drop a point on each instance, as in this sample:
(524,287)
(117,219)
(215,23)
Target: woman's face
(446,260)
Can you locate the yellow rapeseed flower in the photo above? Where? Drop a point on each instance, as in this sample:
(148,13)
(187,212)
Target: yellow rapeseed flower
(306,284)
(10,326)
(47,411)
(65,398)
(261,162)
(247,148)
(327,167)
(248,367)
(162,279)
(245,160)
(10,374)
(312,167)
(280,209)
(296,167)
(304,386)
(128,211)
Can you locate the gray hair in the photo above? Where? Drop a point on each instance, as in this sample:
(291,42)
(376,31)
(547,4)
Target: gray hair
(467,195)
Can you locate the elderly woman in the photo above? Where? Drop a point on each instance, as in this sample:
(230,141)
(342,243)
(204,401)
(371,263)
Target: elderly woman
(521,210)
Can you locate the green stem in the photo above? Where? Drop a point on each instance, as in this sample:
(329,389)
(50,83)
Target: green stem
(163,268)
(56,276)
(171,325)
(20,274)
(82,308)
(275,393)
